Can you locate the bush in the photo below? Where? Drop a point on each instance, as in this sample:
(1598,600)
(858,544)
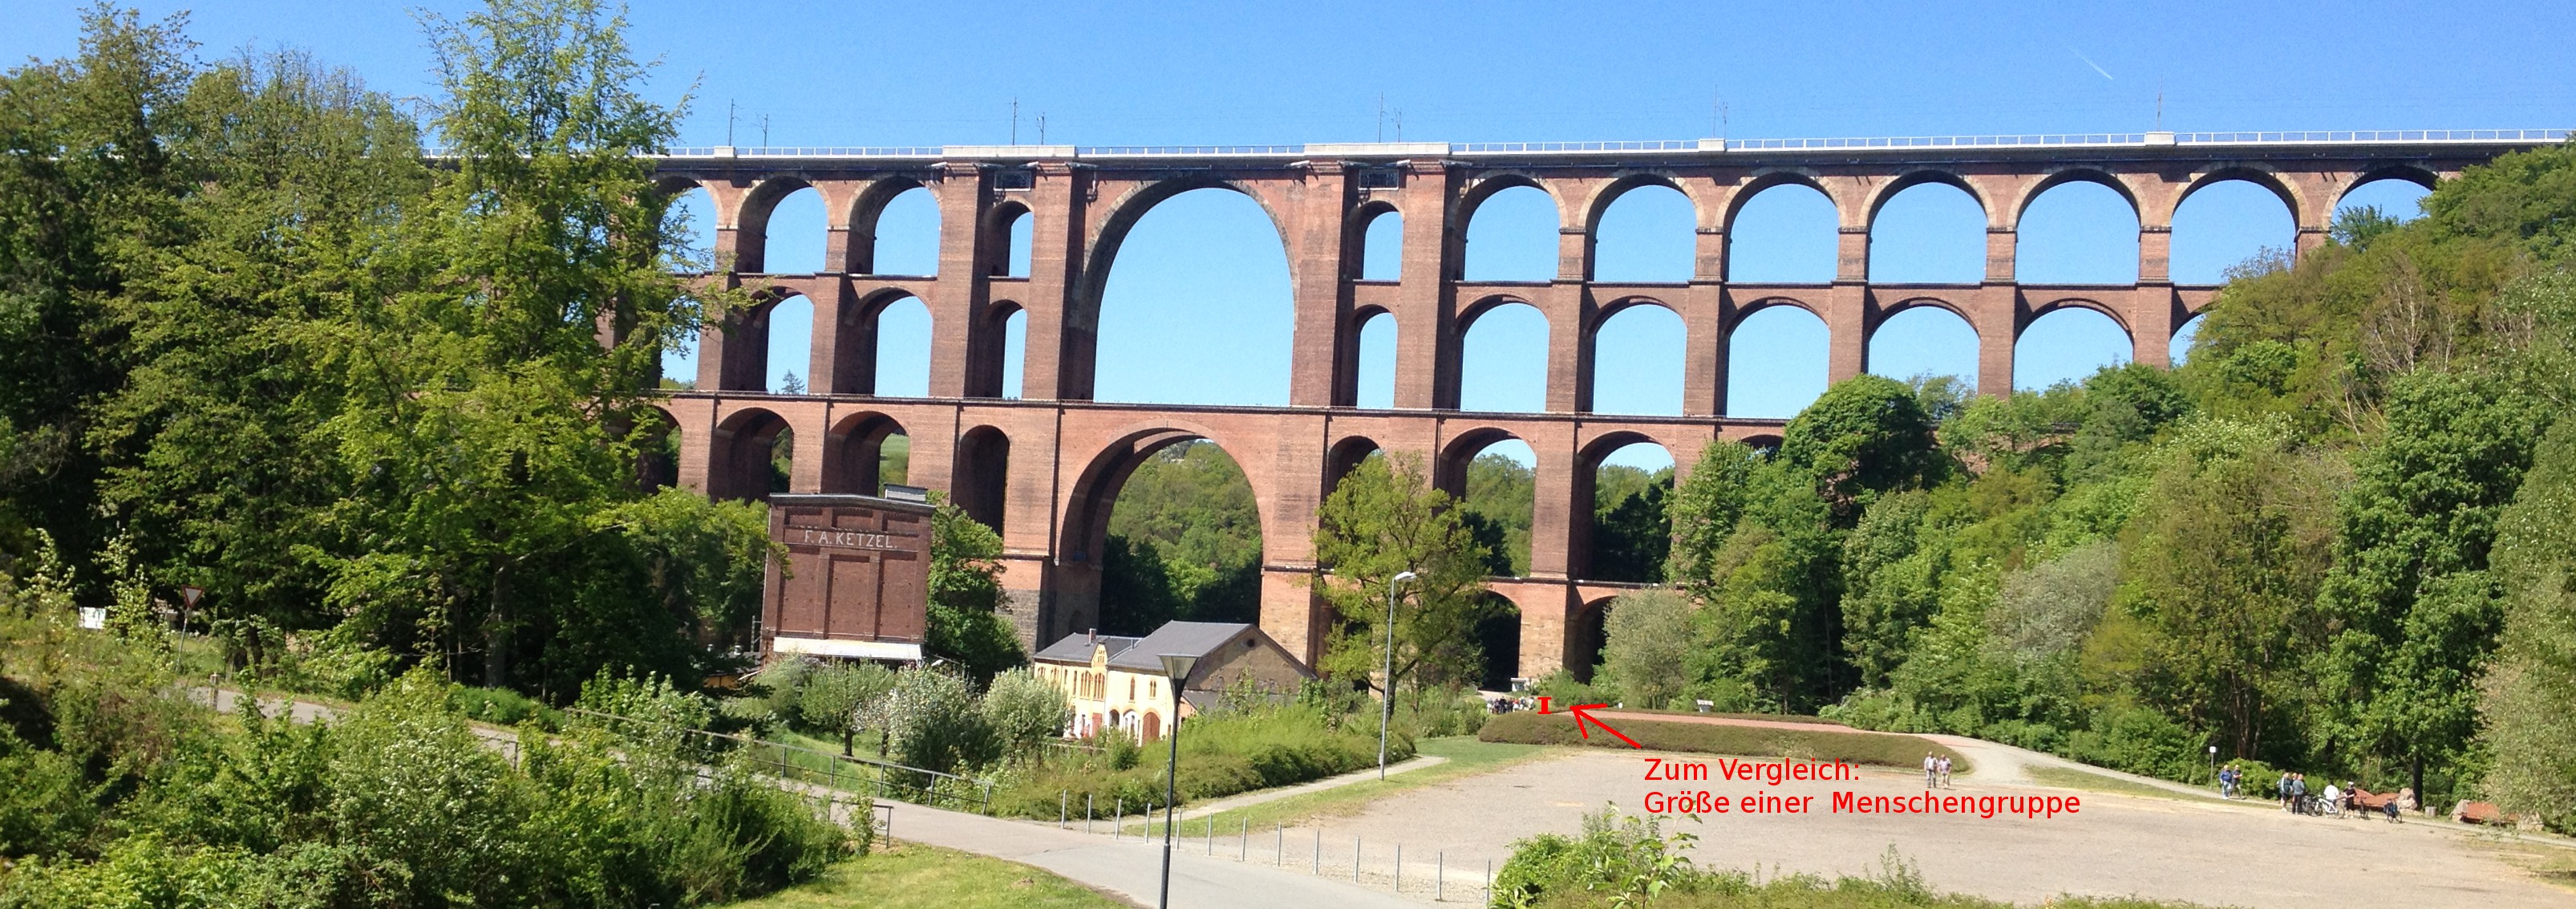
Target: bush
(1629,857)
(1025,711)
(932,722)
(1439,712)
(1222,753)
(1884,749)
(503,707)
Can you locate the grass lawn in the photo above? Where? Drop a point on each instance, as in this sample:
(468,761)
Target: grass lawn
(914,876)
(2070,778)
(1823,743)
(1466,757)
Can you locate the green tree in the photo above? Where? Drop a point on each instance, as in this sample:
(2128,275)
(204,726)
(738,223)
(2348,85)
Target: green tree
(1383,519)
(2417,615)
(1648,652)
(1866,435)
(1025,711)
(831,695)
(965,591)
(2224,563)
(2532,680)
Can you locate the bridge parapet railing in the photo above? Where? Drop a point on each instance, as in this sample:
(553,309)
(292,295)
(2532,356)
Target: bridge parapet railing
(1649,146)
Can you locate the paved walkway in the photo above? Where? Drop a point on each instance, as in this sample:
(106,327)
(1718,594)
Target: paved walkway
(1990,762)
(1132,867)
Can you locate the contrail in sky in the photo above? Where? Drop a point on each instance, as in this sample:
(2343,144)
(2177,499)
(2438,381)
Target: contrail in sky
(2088,61)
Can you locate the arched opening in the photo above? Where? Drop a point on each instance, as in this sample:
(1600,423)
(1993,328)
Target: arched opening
(1785,234)
(689,231)
(983,475)
(1382,247)
(1153,727)
(1181,540)
(791,345)
(680,363)
(1775,362)
(904,239)
(1345,456)
(1375,384)
(1928,233)
(656,437)
(1924,340)
(1494,477)
(1511,236)
(1630,533)
(1009,240)
(1015,353)
(1498,637)
(1648,234)
(1196,309)
(1637,358)
(1586,636)
(2067,344)
(752,455)
(2229,225)
(2179,349)
(864,452)
(2378,202)
(902,349)
(1503,363)
(2077,232)
(792,235)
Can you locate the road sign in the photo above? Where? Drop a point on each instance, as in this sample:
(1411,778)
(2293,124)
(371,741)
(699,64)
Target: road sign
(190,594)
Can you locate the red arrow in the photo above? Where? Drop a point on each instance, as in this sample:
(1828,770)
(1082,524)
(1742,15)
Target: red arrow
(1580,718)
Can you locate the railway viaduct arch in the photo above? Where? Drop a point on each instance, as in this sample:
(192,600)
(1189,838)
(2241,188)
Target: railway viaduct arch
(1044,468)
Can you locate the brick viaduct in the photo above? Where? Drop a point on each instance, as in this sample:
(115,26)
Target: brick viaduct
(1045,468)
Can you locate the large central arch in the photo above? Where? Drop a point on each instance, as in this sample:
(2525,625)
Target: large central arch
(1079,363)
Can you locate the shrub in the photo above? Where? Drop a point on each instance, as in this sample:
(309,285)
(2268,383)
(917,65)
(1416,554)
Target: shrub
(1025,711)
(832,694)
(1222,753)
(932,721)
(1630,857)
(503,707)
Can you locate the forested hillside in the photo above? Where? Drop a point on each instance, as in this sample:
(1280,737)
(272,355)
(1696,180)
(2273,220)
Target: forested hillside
(2333,542)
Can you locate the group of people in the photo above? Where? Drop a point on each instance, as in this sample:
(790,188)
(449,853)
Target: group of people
(1936,771)
(2291,790)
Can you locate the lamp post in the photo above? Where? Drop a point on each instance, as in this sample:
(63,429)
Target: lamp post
(1386,705)
(1176,666)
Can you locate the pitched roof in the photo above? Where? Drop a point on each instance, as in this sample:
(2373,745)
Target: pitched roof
(1076,648)
(1196,639)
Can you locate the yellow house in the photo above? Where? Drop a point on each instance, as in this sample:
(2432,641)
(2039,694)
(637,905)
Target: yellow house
(1117,684)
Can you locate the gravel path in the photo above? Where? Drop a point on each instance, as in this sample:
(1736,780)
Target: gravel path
(2212,852)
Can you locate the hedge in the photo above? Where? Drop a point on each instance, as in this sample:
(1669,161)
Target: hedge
(1881,748)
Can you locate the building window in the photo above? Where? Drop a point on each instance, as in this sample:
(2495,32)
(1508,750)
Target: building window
(1153,688)
(1131,687)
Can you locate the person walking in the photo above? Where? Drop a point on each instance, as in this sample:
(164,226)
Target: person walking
(2227,782)
(1931,770)
(2299,794)
(1945,771)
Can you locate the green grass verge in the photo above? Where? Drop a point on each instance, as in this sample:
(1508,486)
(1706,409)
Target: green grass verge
(1465,757)
(915,876)
(1765,717)
(2071,778)
(1885,749)
(1807,892)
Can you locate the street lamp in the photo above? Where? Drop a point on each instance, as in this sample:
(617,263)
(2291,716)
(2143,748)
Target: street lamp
(1176,666)
(1386,705)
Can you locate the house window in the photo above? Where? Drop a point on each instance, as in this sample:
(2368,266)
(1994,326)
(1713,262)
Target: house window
(1131,687)
(1153,688)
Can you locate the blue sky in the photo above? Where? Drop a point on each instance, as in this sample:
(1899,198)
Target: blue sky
(1197,303)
